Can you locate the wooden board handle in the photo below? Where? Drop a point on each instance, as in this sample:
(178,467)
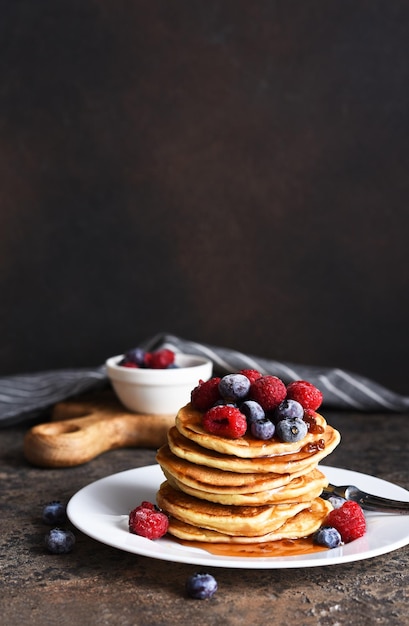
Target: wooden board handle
(74,441)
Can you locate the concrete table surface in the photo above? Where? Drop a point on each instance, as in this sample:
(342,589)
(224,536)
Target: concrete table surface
(97,584)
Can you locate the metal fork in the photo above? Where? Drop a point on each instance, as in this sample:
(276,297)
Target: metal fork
(367,500)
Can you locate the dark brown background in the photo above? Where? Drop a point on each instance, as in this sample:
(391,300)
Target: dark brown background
(233,172)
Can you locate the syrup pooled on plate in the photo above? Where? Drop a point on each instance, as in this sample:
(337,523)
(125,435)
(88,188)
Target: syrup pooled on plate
(280,548)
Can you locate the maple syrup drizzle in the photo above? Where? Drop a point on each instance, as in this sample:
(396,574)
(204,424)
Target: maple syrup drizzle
(313,446)
(313,427)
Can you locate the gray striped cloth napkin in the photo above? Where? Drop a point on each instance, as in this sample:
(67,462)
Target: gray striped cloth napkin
(24,397)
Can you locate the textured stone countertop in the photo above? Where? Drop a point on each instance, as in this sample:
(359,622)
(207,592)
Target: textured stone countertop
(97,584)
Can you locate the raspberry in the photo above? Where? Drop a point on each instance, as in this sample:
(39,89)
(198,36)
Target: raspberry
(268,391)
(148,505)
(349,520)
(252,375)
(305,393)
(206,394)
(159,360)
(225,421)
(147,521)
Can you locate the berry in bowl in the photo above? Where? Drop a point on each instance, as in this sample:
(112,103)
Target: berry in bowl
(156,383)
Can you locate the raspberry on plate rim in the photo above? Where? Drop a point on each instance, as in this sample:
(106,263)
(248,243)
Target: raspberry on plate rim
(349,520)
(146,520)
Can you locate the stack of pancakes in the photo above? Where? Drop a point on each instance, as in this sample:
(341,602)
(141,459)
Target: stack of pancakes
(244,490)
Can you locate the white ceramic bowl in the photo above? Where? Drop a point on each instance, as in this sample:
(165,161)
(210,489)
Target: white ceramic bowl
(158,391)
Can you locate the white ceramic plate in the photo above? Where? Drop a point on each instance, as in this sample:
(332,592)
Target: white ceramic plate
(101,510)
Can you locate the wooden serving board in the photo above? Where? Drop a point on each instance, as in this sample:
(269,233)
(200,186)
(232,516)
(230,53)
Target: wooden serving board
(84,428)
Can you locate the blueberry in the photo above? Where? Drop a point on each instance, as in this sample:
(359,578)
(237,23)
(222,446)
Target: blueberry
(234,386)
(252,410)
(135,355)
(58,541)
(222,402)
(336,501)
(262,429)
(54,513)
(201,586)
(291,429)
(327,536)
(289,408)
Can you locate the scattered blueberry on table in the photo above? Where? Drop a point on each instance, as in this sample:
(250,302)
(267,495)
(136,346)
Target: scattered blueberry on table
(201,586)
(54,513)
(59,541)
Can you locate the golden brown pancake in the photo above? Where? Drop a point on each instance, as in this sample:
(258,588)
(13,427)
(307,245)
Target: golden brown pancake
(281,464)
(301,489)
(216,480)
(242,490)
(249,521)
(303,524)
(189,423)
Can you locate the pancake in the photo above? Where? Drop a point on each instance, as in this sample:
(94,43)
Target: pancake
(302,461)
(251,521)
(189,423)
(216,480)
(301,489)
(303,524)
(242,490)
